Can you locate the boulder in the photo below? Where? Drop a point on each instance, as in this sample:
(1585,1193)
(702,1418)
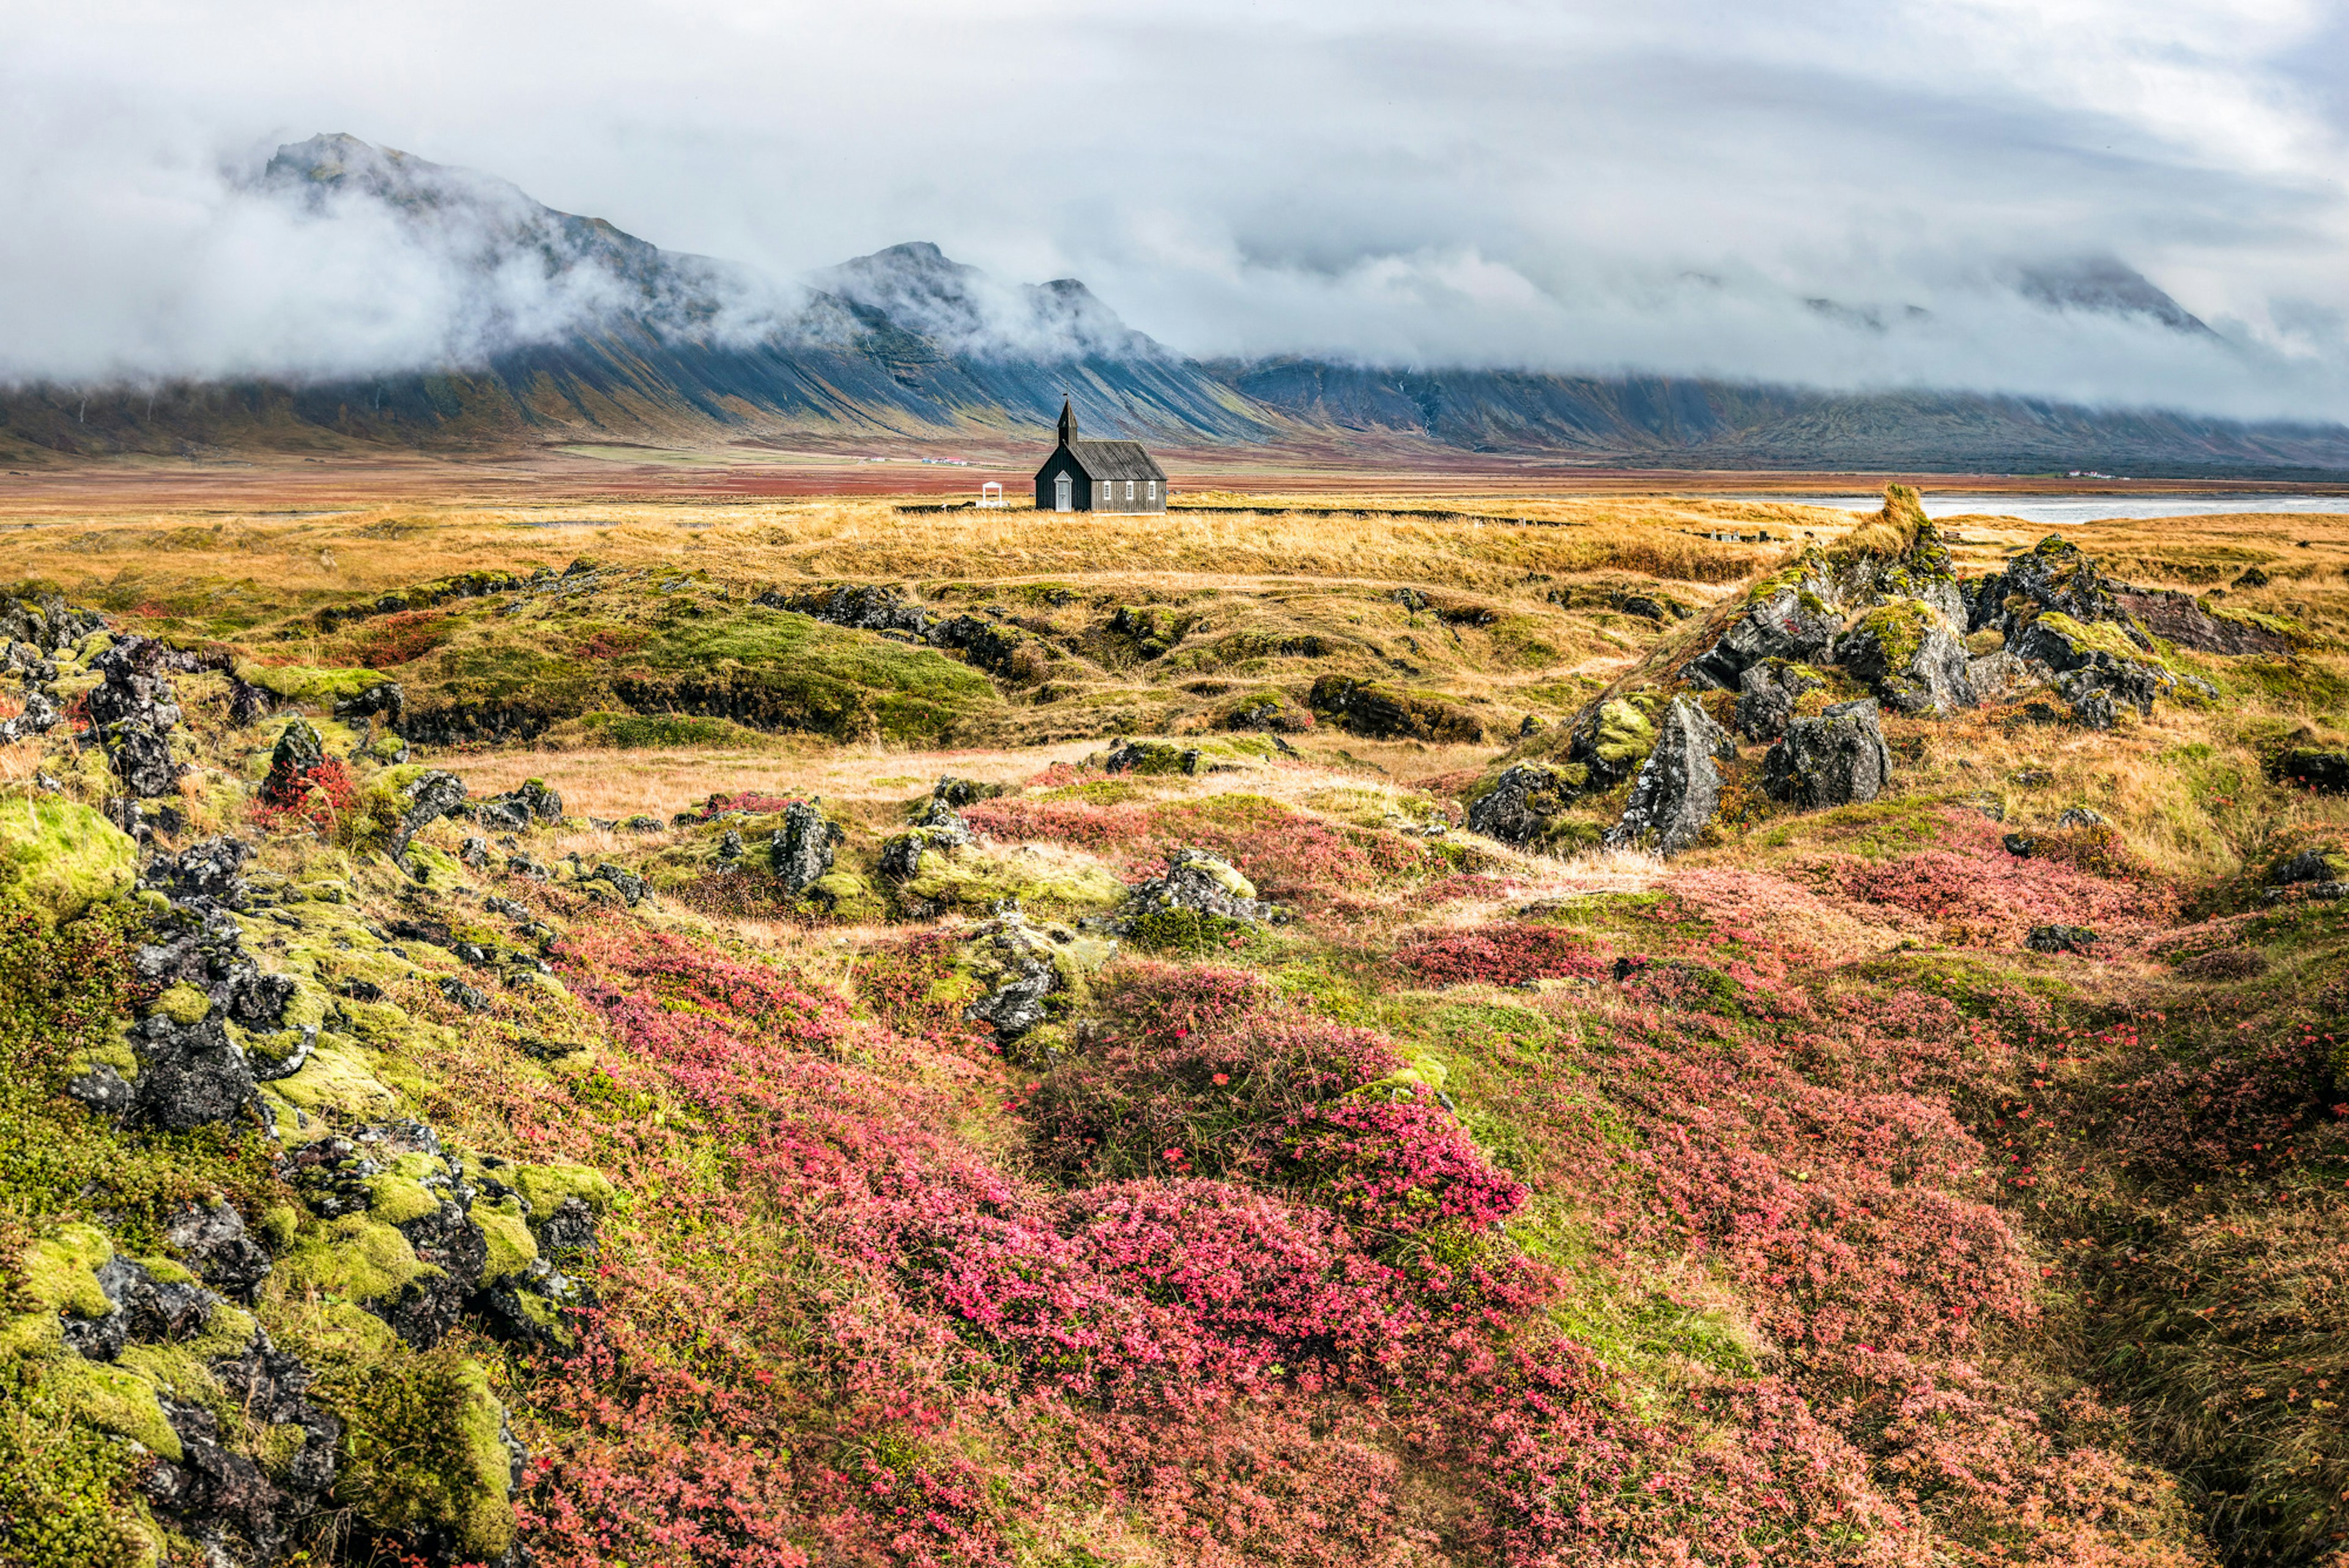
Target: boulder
(1793,616)
(1519,806)
(1149,757)
(2323,863)
(2187,621)
(939,827)
(2093,709)
(1027,972)
(2002,676)
(2323,772)
(1387,713)
(1202,883)
(2054,575)
(1767,693)
(802,850)
(1837,759)
(2060,939)
(1677,787)
(383,697)
(1910,655)
(1612,738)
(2079,817)
(207,870)
(299,750)
(210,1239)
(2093,657)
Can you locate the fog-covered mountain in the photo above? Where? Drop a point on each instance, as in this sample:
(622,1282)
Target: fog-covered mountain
(546,327)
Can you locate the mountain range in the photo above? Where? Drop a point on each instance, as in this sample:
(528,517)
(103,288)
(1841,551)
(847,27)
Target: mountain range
(572,331)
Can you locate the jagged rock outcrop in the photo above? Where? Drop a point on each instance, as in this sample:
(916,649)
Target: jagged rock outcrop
(1149,757)
(1910,655)
(134,712)
(867,607)
(1794,615)
(802,851)
(1028,974)
(1767,692)
(939,827)
(2323,772)
(1523,802)
(1388,713)
(1203,884)
(1679,786)
(517,809)
(1837,759)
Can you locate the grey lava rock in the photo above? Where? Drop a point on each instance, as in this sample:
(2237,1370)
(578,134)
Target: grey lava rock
(1148,757)
(1767,692)
(1796,619)
(867,607)
(425,799)
(630,886)
(1678,787)
(299,749)
(384,699)
(1522,802)
(2322,772)
(1837,759)
(1908,652)
(210,1239)
(939,826)
(2060,939)
(207,870)
(2079,817)
(801,852)
(2093,710)
(2323,863)
(1197,880)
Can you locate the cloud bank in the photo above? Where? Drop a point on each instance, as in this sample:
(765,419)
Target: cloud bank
(1838,193)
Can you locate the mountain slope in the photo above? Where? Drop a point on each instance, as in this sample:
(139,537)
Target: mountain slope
(565,328)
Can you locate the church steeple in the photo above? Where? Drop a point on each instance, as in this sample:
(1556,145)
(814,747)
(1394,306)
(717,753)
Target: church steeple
(1068,422)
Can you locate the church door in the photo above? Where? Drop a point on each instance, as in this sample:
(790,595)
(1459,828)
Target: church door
(1061,494)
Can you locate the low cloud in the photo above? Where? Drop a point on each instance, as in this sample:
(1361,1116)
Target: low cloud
(1846,194)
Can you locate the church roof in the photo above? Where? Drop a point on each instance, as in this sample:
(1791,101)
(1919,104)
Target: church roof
(1115,459)
(1103,459)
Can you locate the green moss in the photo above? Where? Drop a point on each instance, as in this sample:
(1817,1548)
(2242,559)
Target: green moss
(357,1257)
(60,1270)
(1900,630)
(338,1075)
(1626,733)
(545,1187)
(2101,638)
(845,895)
(182,1004)
(399,1194)
(665,732)
(58,857)
(511,1247)
(976,879)
(422,1450)
(69,1493)
(113,1399)
(317,686)
(1187,931)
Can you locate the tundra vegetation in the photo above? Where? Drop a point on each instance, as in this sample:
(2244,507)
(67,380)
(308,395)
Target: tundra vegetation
(802,1033)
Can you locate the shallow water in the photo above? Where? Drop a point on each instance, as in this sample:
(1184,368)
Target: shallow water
(2064,511)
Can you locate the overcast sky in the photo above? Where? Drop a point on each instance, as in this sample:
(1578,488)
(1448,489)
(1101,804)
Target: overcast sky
(1577,186)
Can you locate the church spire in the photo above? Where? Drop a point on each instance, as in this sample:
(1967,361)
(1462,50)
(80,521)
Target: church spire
(1068,422)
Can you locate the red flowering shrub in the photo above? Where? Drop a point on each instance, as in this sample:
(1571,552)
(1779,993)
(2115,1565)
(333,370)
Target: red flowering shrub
(319,797)
(400,637)
(1510,953)
(755,802)
(1193,1072)
(1397,1167)
(611,642)
(908,984)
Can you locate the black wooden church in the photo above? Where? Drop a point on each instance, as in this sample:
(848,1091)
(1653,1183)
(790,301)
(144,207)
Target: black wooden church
(1097,475)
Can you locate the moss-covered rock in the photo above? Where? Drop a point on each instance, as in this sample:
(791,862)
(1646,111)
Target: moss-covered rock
(60,857)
